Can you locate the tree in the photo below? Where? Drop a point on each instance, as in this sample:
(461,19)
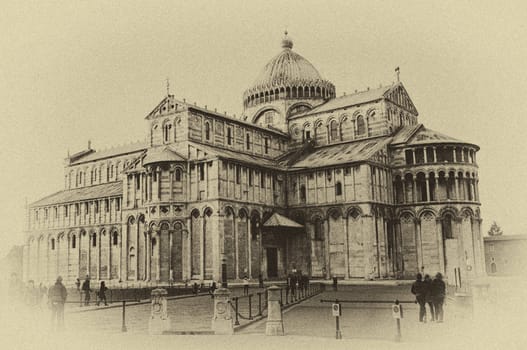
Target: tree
(495,230)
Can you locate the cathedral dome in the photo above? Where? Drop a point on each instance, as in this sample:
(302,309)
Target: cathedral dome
(287,71)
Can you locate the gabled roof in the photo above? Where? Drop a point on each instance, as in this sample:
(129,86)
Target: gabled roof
(161,155)
(111,189)
(236,156)
(112,152)
(277,220)
(403,134)
(348,152)
(371,95)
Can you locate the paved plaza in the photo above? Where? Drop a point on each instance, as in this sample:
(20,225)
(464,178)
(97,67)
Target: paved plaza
(307,324)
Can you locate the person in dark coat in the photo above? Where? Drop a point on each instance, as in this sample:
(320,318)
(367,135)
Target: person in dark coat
(428,297)
(419,290)
(57,295)
(260,281)
(438,292)
(212,289)
(102,294)
(195,288)
(86,289)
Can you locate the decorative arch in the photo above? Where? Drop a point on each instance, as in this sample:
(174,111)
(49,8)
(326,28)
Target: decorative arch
(448,210)
(243,213)
(260,113)
(131,220)
(354,212)
(425,210)
(208,211)
(467,212)
(334,213)
(229,210)
(194,213)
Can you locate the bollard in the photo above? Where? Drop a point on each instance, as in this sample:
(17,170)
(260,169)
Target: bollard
(397,314)
(237,322)
(275,324)
(159,321)
(123,325)
(222,322)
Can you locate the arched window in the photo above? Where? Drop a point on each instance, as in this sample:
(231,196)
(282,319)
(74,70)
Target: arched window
(94,240)
(53,244)
(493,268)
(178,175)
(266,145)
(115,238)
(73,242)
(361,127)
(338,189)
(132,257)
(446,227)
(229,136)
(303,193)
(319,229)
(166,132)
(207,131)
(333,131)
(153,246)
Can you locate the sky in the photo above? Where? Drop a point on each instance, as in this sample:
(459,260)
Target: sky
(74,71)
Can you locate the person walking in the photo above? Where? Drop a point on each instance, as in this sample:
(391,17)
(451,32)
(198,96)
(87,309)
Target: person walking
(428,296)
(57,295)
(86,289)
(102,294)
(78,284)
(212,289)
(438,292)
(260,281)
(419,290)
(245,285)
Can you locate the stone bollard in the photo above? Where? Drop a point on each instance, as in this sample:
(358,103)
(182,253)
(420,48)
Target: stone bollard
(159,321)
(275,324)
(222,322)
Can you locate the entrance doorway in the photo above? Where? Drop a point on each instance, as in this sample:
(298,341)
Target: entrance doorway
(272,262)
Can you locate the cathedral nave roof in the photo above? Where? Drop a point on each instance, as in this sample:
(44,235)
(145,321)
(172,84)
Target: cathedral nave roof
(110,189)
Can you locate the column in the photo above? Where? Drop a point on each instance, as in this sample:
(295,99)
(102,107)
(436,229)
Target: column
(202,245)
(158,263)
(170,240)
(326,249)
(456,179)
(346,246)
(414,188)
(428,194)
(171,182)
(413,155)
(436,186)
(425,155)
(419,245)
(88,272)
(148,256)
(454,154)
(99,253)
(435,154)
(236,247)
(439,235)
(404,189)
(249,239)
(120,255)
(109,268)
(145,260)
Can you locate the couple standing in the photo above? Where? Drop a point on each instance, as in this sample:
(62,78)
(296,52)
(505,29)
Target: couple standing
(431,292)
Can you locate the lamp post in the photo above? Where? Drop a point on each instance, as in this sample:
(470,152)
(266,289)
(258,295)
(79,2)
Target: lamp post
(223,271)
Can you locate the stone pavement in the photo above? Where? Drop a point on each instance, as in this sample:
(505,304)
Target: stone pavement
(307,325)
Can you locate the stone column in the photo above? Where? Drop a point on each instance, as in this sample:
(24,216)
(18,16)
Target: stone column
(456,179)
(326,249)
(428,192)
(441,251)
(425,155)
(148,256)
(249,253)
(275,323)
(170,242)
(222,322)
(99,255)
(418,243)
(435,154)
(346,246)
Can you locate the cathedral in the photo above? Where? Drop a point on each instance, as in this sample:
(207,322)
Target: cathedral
(350,186)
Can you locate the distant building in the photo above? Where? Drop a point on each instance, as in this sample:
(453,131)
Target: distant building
(506,255)
(13,262)
(350,186)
